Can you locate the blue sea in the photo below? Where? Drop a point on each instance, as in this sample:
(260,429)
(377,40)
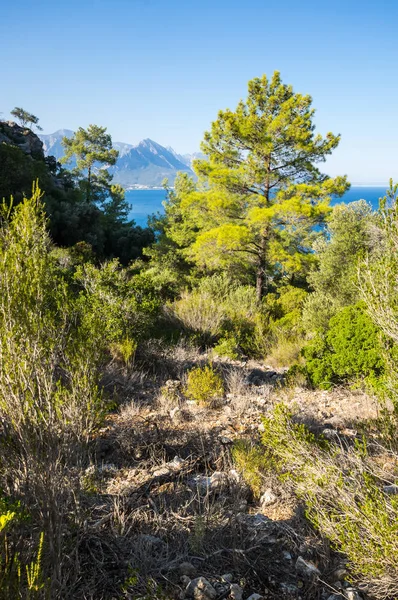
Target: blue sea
(147,202)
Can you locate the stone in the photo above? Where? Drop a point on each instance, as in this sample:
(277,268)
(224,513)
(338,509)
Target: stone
(255,597)
(173,466)
(200,589)
(340,574)
(236,592)
(24,138)
(330,434)
(352,594)
(162,471)
(174,412)
(268,498)
(225,440)
(217,482)
(227,577)
(307,568)
(391,490)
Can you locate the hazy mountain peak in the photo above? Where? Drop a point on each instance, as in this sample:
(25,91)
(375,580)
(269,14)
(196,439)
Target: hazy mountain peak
(145,164)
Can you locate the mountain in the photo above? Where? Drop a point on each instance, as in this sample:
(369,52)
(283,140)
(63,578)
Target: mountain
(52,142)
(145,164)
(187,159)
(148,164)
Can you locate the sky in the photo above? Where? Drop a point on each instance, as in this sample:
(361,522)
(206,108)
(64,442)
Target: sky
(162,69)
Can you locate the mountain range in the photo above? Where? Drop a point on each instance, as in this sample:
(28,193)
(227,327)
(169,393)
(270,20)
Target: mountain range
(143,165)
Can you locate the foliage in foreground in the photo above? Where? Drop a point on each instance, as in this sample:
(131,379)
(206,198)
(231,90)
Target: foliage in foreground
(59,323)
(204,385)
(343,495)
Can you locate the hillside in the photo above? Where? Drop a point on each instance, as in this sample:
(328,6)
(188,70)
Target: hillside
(145,164)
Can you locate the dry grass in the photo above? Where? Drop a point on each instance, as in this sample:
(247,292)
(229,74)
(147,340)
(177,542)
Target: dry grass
(285,353)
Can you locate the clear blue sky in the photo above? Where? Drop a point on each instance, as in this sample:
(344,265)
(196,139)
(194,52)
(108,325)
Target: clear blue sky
(163,68)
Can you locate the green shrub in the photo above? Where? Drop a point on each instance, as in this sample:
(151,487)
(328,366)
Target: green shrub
(344,500)
(228,346)
(251,461)
(204,385)
(350,349)
(55,335)
(218,310)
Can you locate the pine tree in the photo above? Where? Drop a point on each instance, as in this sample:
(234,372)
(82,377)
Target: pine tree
(25,118)
(260,194)
(92,147)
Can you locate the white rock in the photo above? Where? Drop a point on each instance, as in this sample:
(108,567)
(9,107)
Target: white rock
(174,412)
(234,476)
(236,592)
(268,498)
(307,568)
(200,589)
(161,471)
(255,597)
(218,480)
(177,463)
(228,577)
(171,467)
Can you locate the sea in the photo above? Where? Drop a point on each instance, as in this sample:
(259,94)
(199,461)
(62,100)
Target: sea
(148,202)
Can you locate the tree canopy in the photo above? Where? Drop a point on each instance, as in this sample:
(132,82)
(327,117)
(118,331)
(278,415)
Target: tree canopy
(25,118)
(260,193)
(93,150)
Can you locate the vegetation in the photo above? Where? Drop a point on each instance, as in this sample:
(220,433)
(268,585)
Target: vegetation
(204,385)
(260,194)
(25,118)
(249,268)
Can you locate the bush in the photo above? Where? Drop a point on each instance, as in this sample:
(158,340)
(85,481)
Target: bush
(204,385)
(219,310)
(286,335)
(55,334)
(228,346)
(343,497)
(351,349)
(251,461)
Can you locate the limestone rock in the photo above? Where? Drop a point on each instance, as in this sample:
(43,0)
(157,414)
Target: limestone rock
(200,589)
(268,498)
(23,138)
(307,568)
(236,592)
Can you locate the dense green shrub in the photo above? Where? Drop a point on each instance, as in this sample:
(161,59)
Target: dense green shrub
(350,349)
(252,462)
(351,233)
(204,385)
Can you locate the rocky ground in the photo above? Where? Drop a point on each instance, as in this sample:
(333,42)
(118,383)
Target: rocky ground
(170,514)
